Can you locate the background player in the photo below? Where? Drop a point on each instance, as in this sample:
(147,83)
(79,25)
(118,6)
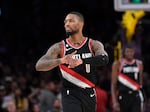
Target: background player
(127,82)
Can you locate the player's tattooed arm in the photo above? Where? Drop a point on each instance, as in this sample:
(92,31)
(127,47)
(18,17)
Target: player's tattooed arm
(98,48)
(51,59)
(100,57)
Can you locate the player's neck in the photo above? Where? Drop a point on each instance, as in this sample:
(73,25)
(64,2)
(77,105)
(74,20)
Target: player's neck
(77,38)
(129,60)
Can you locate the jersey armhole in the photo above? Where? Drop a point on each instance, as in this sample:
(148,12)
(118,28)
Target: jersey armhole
(138,63)
(90,46)
(63,48)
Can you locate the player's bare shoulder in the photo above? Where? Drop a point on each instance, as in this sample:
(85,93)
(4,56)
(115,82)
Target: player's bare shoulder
(98,47)
(139,61)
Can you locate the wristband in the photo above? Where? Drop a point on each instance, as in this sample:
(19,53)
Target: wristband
(99,60)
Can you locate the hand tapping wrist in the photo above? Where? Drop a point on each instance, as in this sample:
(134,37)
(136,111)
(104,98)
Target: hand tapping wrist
(81,61)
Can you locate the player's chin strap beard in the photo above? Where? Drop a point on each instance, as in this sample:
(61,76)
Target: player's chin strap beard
(71,33)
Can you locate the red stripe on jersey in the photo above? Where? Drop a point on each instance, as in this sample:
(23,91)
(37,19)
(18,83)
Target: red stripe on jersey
(77,75)
(132,82)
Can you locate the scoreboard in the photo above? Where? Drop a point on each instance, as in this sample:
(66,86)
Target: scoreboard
(123,5)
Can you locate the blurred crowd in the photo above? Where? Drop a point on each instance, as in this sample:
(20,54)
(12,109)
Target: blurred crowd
(28,91)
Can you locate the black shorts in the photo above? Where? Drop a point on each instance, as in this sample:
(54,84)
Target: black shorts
(131,101)
(79,100)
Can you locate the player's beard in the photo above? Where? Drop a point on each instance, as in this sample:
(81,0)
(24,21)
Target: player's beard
(70,33)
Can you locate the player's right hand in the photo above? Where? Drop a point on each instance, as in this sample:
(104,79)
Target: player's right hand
(68,58)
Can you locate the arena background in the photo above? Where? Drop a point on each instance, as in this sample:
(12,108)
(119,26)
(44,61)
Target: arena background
(29,27)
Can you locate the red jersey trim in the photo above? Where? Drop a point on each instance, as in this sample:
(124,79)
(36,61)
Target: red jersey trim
(76,47)
(90,46)
(63,49)
(129,62)
(124,61)
(138,62)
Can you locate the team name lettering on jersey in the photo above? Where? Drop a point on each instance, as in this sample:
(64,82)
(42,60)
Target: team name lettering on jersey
(130,69)
(76,56)
(86,55)
(83,56)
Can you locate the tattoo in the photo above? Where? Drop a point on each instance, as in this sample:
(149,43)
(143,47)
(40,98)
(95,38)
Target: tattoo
(51,59)
(55,50)
(98,48)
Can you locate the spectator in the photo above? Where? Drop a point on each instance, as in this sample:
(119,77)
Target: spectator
(2,95)
(47,96)
(36,108)
(57,106)
(11,107)
(20,100)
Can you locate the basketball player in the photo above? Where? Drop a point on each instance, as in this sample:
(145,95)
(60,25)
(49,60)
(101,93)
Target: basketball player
(77,56)
(126,83)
